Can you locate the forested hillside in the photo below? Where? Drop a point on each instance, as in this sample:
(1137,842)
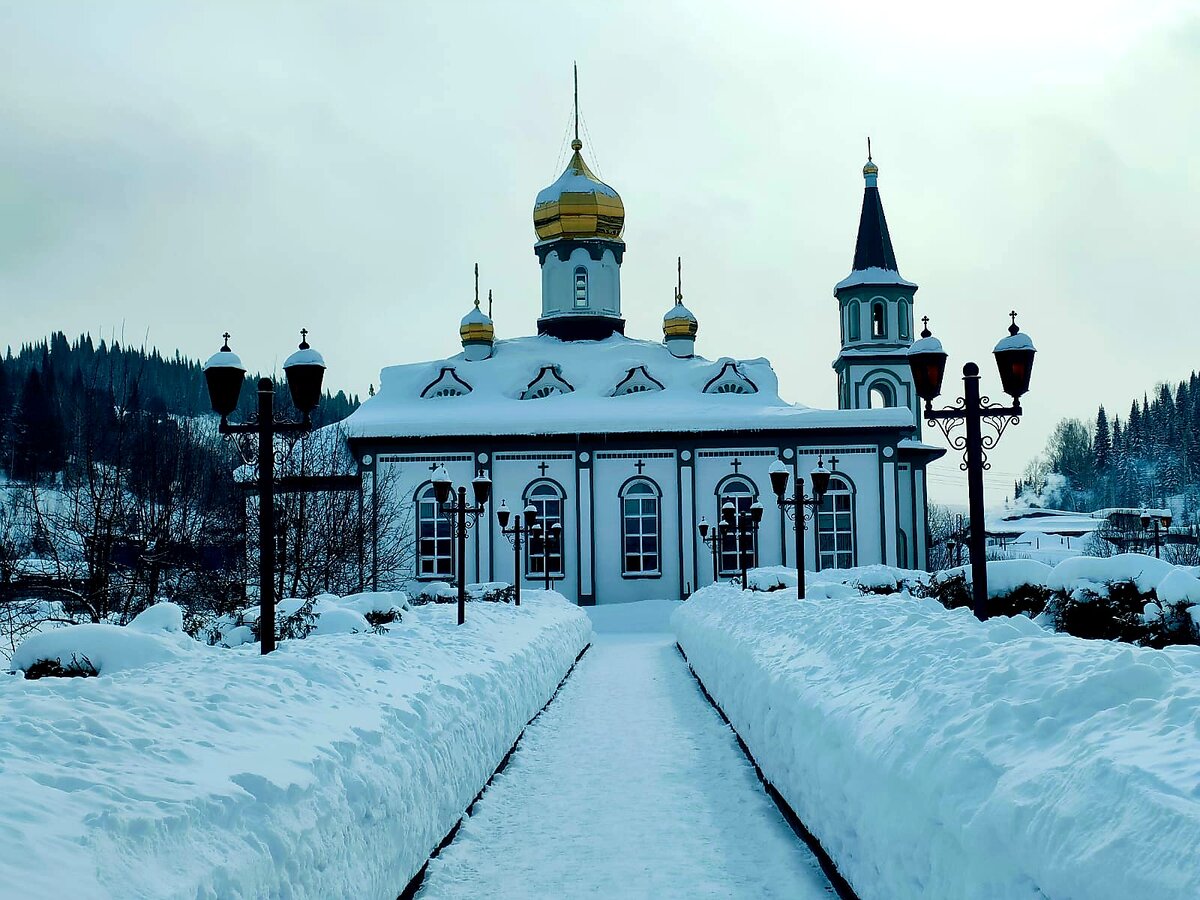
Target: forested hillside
(50,388)
(1149,457)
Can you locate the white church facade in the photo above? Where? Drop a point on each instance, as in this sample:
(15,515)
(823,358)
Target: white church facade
(628,444)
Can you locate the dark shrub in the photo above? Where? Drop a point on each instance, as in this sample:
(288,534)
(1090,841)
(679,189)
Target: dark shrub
(1118,616)
(78,667)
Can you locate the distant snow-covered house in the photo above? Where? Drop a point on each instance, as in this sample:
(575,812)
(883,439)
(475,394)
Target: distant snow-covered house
(628,444)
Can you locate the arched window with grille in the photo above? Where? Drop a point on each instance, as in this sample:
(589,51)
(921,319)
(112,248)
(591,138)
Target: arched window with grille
(641,527)
(547,498)
(742,494)
(835,525)
(581,287)
(904,313)
(435,539)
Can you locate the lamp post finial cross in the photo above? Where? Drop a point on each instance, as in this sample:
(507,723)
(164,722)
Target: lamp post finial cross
(226,336)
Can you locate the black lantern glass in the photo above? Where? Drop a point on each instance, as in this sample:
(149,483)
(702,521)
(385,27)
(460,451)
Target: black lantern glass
(756,512)
(779,480)
(482,486)
(305,370)
(224,374)
(820,480)
(1014,360)
(703,529)
(728,512)
(530,515)
(502,515)
(441,485)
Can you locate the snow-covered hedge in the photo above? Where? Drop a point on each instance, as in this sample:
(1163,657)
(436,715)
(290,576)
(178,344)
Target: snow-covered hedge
(330,768)
(942,758)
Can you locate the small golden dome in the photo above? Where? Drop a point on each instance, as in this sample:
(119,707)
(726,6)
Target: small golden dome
(477,327)
(679,321)
(870,168)
(578,205)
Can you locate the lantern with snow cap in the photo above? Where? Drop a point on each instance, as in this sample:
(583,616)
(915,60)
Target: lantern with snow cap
(927,362)
(1014,359)
(305,370)
(224,374)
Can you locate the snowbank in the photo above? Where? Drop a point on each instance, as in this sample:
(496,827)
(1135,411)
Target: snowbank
(836,583)
(330,768)
(1005,575)
(1094,573)
(935,756)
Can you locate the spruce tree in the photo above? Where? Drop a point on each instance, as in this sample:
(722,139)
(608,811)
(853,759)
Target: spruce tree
(1102,443)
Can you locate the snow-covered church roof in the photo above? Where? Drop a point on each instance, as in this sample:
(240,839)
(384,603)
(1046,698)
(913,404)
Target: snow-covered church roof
(543,386)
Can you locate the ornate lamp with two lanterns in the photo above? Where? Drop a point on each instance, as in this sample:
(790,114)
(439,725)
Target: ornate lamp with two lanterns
(800,507)
(522,526)
(462,517)
(1014,361)
(744,526)
(224,375)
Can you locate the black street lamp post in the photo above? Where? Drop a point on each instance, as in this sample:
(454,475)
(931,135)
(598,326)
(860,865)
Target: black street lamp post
(463,517)
(1014,361)
(224,374)
(800,507)
(521,526)
(743,525)
(1165,521)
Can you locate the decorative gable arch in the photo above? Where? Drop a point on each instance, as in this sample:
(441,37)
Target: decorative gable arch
(730,380)
(637,381)
(447,384)
(546,383)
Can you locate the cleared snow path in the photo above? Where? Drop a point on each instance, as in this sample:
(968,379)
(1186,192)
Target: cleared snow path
(628,785)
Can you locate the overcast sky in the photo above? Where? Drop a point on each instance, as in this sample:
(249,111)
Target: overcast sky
(169,171)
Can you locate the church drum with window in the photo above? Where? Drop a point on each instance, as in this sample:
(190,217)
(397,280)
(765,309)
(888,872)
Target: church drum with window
(628,444)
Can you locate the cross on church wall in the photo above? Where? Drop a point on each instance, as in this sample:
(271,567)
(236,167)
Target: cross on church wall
(737,465)
(543,467)
(639,465)
(433,466)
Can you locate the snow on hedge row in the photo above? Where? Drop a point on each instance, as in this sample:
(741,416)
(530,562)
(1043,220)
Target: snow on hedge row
(330,768)
(935,756)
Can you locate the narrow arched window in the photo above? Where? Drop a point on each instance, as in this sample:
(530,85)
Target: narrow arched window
(435,544)
(581,287)
(878,319)
(835,525)
(741,494)
(640,528)
(854,316)
(880,396)
(903,310)
(545,552)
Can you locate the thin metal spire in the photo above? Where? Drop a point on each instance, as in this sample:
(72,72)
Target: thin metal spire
(678,280)
(477,285)
(489,303)
(575,67)
(868,148)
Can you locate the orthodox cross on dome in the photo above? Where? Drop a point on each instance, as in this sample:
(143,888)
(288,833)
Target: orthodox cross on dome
(868,148)
(543,467)
(577,143)
(678,280)
(477,285)
(737,465)
(639,465)
(489,303)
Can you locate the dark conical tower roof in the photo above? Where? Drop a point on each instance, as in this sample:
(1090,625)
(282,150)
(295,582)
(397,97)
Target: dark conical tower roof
(874,247)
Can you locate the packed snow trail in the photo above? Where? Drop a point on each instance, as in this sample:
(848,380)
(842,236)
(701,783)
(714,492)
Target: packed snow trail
(628,785)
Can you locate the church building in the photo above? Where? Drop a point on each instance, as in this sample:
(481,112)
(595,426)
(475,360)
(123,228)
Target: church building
(628,444)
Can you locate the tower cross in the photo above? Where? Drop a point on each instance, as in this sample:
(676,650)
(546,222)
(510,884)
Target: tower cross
(868,148)
(489,303)
(575,67)
(477,285)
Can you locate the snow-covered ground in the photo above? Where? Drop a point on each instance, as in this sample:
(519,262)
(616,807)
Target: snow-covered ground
(628,785)
(330,768)
(938,757)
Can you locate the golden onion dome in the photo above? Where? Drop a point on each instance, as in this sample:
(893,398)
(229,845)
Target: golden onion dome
(578,205)
(870,168)
(679,321)
(476,327)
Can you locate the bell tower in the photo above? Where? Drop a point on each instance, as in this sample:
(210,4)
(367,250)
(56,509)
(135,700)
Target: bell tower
(876,309)
(579,220)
